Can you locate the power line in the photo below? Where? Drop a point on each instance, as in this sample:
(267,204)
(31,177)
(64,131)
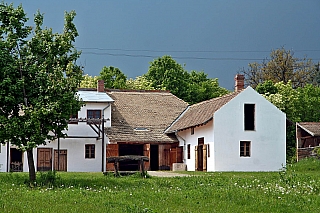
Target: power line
(177,57)
(188,51)
(177,51)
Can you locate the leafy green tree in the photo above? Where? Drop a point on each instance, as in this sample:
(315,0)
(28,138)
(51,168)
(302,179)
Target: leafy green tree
(38,80)
(282,66)
(139,83)
(89,81)
(113,78)
(201,88)
(166,73)
(267,87)
(309,103)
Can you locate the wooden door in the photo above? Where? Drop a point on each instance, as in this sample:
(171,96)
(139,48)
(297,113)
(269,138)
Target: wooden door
(44,159)
(176,155)
(200,158)
(112,151)
(204,161)
(62,160)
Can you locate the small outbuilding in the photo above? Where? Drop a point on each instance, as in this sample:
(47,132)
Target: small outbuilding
(308,137)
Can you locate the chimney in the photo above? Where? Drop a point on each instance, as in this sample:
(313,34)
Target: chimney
(239,82)
(100,87)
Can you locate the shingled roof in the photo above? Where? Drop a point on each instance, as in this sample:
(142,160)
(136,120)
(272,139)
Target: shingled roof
(200,113)
(313,128)
(143,116)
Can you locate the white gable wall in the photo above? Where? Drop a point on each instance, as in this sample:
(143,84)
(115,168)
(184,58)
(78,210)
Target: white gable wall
(268,146)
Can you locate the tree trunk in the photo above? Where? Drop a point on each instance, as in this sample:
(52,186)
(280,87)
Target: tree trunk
(32,170)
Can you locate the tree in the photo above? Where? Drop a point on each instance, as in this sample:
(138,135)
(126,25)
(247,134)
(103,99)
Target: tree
(201,88)
(113,78)
(267,88)
(282,66)
(139,83)
(38,82)
(89,81)
(165,73)
(309,103)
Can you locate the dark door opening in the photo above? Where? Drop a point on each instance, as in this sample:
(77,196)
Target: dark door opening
(130,149)
(200,154)
(16,160)
(154,157)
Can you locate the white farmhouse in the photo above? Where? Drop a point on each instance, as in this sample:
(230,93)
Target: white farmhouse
(84,148)
(241,131)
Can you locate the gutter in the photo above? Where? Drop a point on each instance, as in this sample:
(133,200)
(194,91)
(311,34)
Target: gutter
(102,140)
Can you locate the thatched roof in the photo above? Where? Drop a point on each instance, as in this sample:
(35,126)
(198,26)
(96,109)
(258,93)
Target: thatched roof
(143,116)
(313,128)
(200,113)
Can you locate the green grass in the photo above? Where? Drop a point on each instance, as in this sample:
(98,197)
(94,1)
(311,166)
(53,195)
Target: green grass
(296,189)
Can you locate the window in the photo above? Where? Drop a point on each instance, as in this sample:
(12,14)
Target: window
(94,114)
(192,130)
(249,111)
(73,117)
(245,148)
(188,147)
(208,150)
(89,151)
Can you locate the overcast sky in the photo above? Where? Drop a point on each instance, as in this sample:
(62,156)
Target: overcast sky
(217,37)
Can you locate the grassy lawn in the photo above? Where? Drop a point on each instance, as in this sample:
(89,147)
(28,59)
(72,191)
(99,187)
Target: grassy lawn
(295,190)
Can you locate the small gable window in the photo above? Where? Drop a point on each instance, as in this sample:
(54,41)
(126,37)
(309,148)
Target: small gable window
(192,130)
(245,148)
(94,114)
(89,151)
(249,117)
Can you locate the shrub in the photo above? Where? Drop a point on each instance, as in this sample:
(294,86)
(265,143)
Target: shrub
(49,178)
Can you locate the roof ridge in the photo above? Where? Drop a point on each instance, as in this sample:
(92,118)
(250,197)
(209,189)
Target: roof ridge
(135,90)
(217,98)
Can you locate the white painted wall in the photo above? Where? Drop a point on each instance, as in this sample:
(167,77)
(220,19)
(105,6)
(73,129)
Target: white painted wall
(268,140)
(205,131)
(76,161)
(3,158)
(224,133)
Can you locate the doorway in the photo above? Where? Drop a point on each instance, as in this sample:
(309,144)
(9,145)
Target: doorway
(154,157)
(201,155)
(44,159)
(16,156)
(62,160)
(130,149)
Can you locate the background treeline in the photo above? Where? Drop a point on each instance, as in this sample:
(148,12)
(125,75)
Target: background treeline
(164,74)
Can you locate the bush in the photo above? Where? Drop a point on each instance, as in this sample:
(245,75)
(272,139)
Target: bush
(49,178)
